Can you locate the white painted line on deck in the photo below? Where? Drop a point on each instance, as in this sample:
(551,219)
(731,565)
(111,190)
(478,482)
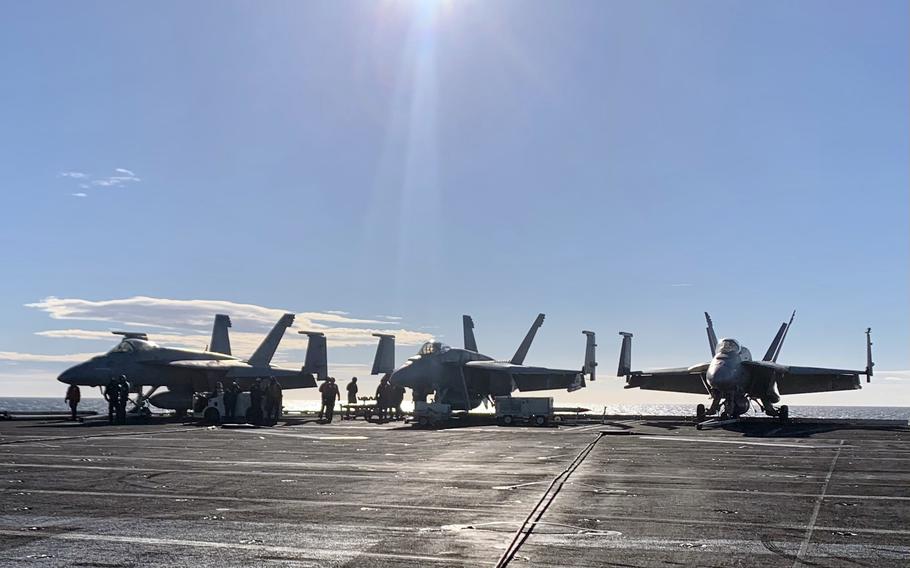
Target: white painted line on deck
(738,442)
(285,501)
(818,504)
(308,436)
(314,553)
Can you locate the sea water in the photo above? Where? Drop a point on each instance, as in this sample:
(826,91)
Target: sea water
(27,404)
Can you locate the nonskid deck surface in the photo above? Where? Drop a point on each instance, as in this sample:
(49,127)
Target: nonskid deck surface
(649,492)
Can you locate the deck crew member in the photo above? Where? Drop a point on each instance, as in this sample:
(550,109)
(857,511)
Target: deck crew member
(230,399)
(383,397)
(330,394)
(122,399)
(112,396)
(397,399)
(256,402)
(273,400)
(73,396)
(352,391)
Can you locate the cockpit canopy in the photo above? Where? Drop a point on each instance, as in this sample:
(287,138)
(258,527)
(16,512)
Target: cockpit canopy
(727,346)
(432,347)
(131,345)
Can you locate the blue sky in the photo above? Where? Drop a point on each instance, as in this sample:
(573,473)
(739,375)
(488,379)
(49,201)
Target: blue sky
(617,165)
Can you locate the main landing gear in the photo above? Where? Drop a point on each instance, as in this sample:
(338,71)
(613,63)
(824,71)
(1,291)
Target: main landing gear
(732,409)
(729,415)
(782,413)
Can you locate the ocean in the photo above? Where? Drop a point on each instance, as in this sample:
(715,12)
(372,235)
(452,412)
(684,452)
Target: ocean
(24,404)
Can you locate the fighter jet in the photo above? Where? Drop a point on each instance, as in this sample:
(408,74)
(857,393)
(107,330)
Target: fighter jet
(464,378)
(184,372)
(733,379)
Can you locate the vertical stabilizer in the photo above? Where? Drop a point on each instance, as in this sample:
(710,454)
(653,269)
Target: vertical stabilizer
(266,350)
(590,355)
(778,342)
(519,357)
(221,341)
(469,342)
(869,363)
(712,338)
(384,362)
(625,355)
(317,359)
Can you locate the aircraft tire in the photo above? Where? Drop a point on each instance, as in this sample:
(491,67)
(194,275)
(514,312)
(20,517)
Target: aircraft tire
(212,416)
(784,413)
(700,412)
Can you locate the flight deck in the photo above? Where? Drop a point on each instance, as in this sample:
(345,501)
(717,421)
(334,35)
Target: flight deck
(630,492)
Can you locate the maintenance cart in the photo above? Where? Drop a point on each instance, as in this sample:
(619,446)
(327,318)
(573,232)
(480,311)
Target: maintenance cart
(534,411)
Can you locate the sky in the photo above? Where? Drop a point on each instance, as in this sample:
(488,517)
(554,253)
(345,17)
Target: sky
(390,165)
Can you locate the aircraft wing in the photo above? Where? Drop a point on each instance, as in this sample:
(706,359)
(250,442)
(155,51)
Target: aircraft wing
(528,378)
(685,379)
(802,380)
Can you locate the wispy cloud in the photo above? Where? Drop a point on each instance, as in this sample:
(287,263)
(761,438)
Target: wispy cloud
(187,323)
(121,177)
(79,194)
(681,285)
(41,358)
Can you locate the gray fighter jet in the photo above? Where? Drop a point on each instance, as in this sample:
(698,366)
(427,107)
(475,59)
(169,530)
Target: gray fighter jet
(464,378)
(733,379)
(184,372)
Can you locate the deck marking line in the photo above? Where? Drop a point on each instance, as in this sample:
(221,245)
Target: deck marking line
(321,553)
(818,505)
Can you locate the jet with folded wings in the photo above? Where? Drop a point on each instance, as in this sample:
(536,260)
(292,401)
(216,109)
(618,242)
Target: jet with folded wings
(464,378)
(732,378)
(184,372)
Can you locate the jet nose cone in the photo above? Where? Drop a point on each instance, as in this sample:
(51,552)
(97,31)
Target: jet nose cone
(68,376)
(722,375)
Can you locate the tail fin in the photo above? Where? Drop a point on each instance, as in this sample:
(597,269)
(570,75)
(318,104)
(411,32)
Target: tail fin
(712,339)
(384,362)
(519,357)
(869,363)
(221,341)
(469,343)
(266,350)
(590,356)
(317,359)
(778,342)
(625,355)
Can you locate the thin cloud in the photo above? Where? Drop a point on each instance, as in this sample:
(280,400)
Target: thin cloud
(79,194)
(41,358)
(681,285)
(188,324)
(120,178)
